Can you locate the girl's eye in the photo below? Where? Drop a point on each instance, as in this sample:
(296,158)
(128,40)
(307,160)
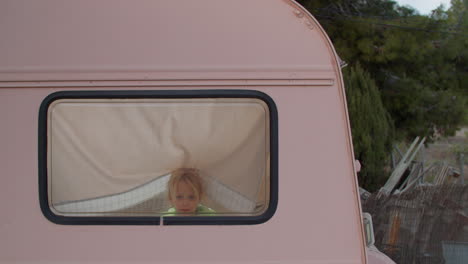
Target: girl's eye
(192,197)
(179,197)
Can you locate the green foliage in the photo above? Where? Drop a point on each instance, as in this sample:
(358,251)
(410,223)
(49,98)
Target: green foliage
(371,126)
(419,65)
(419,111)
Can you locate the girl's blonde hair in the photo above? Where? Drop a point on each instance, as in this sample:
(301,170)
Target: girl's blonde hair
(189,175)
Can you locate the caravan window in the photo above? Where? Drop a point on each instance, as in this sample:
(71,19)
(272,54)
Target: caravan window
(107,157)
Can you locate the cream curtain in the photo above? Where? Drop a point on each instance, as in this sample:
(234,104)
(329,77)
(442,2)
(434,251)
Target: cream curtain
(101,148)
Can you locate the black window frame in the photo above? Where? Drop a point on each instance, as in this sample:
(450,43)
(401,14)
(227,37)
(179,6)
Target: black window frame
(156,220)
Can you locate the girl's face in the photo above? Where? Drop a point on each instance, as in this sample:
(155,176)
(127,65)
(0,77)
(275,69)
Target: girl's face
(185,200)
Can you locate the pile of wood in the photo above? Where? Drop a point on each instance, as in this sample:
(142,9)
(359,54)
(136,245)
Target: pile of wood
(419,225)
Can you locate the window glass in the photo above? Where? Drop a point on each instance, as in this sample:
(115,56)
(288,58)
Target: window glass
(161,154)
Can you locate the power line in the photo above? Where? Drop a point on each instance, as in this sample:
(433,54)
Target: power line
(389,25)
(355,11)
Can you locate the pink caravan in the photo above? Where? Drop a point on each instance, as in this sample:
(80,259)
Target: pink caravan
(102,100)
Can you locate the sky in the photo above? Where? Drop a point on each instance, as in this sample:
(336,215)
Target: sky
(424,6)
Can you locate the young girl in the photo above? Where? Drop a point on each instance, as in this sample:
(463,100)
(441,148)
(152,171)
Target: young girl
(185,192)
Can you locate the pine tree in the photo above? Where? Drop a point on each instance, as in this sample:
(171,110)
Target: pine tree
(371,127)
(419,63)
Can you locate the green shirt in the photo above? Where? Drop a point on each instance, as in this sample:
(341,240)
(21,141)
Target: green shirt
(201,210)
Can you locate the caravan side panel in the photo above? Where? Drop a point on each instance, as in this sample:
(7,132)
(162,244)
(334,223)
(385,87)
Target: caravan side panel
(274,47)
